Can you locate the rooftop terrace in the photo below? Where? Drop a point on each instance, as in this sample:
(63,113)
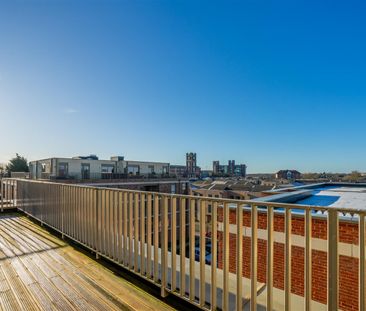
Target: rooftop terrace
(208,252)
(38,271)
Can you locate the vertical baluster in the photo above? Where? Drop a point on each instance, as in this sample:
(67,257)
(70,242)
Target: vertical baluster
(115,225)
(288,225)
(202,205)
(213,256)
(156,238)
(239,257)
(226,253)
(164,246)
(192,230)
(2,194)
(148,235)
(120,227)
(125,229)
(269,258)
(130,233)
(253,258)
(362,276)
(333,260)
(308,255)
(142,233)
(182,243)
(136,233)
(174,242)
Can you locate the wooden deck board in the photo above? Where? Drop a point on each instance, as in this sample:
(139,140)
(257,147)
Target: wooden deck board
(38,271)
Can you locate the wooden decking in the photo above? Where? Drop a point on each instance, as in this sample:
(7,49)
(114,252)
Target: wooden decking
(41,272)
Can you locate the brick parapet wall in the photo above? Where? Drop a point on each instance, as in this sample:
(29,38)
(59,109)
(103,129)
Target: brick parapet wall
(348,265)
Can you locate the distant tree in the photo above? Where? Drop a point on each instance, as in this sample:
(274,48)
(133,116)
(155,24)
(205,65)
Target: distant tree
(353,177)
(310,176)
(2,169)
(17,164)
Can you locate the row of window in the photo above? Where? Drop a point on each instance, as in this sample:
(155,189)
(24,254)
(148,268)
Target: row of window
(107,168)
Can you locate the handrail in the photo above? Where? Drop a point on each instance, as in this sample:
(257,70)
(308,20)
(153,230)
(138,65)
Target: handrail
(348,210)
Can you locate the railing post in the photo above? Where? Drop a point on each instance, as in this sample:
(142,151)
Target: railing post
(214,256)
(253,259)
(288,254)
(202,282)
(269,258)
(226,253)
(136,232)
(332,260)
(308,260)
(174,242)
(362,276)
(148,236)
(2,194)
(164,248)
(62,211)
(156,238)
(192,276)
(239,257)
(98,223)
(182,245)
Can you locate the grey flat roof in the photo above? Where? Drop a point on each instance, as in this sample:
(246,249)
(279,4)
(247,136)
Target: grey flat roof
(342,195)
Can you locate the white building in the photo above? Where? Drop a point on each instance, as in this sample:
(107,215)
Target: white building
(90,167)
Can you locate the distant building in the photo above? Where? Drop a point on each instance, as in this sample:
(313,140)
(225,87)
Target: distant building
(230,189)
(192,170)
(90,167)
(231,167)
(206,173)
(178,170)
(191,164)
(230,170)
(216,168)
(288,174)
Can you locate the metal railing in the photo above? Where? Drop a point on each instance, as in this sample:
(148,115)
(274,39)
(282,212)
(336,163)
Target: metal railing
(161,238)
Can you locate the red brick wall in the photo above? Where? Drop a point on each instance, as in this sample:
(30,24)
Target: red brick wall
(348,266)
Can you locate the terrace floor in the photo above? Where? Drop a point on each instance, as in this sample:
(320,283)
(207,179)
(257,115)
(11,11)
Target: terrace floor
(39,271)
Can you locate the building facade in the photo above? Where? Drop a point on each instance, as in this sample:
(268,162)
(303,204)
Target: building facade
(191,164)
(178,171)
(230,170)
(288,174)
(91,167)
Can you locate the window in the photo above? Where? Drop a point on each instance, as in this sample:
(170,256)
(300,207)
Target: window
(133,169)
(151,169)
(172,189)
(63,169)
(107,168)
(85,170)
(165,170)
(43,167)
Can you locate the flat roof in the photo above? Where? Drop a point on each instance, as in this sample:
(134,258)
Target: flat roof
(337,196)
(342,195)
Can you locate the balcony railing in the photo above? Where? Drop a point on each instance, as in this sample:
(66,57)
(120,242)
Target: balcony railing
(161,238)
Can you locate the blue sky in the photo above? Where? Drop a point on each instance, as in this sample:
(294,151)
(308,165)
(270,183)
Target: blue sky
(274,84)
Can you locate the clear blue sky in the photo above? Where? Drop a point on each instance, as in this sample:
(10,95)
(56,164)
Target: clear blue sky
(274,84)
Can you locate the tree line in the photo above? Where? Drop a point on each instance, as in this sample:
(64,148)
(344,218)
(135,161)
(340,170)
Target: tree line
(16,164)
